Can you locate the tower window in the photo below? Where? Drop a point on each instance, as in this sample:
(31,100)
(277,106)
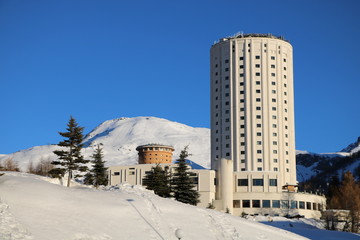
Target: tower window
(257,57)
(272,57)
(258,182)
(257,74)
(257,65)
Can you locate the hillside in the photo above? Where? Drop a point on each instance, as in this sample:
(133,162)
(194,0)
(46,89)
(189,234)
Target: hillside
(33,208)
(120,137)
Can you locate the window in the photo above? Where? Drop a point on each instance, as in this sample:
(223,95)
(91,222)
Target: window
(273,91)
(216,65)
(236,203)
(285,68)
(293,204)
(227,145)
(227,120)
(257,57)
(242,100)
(273,182)
(274,134)
(227,111)
(242,169)
(273,108)
(243,182)
(242,160)
(226,69)
(272,57)
(258,134)
(258,125)
(227,154)
(285,204)
(227,86)
(274,126)
(314,206)
(301,204)
(227,128)
(258,182)
(258,91)
(275,160)
(241,74)
(266,203)
(257,65)
(273,100)
(242,92)
(241,58)
(242,134)
(259,169)
(258,142)
(284,59)
(241,83)
(257,82)
(259,151)
(246,203)
(227,137)
(241,66)
(259,160)
(242,117)
(226,94)
(227,77)
(258,116)
(274,151)
(116,173)
(242,152)
(287,170)
(272,66)
(276,203)
(227,103)
(242,126)
(273,83)
(274,142)
(257,74)
(226,60)
(275,169)
(273,74)
(242,109)
(258,99)
(255,203)
(258,108)
(273,116)
(242,143)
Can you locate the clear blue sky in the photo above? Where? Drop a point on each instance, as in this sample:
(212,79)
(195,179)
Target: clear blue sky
(100,60)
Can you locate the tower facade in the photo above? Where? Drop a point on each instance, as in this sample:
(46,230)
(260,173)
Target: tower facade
(252,110)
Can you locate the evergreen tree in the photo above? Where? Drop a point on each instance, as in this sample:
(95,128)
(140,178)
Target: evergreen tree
(158,180)
(98,173)
(70,160)
(182,184)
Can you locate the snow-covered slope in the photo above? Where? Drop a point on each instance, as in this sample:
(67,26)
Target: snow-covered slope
(32,208)
(120,137)
(353,147)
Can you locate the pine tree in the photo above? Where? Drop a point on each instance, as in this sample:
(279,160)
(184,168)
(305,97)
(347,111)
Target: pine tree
(98,173)
(182,184)
(158,180)
(70,160)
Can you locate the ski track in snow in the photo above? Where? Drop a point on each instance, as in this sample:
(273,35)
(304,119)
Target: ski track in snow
(10,229)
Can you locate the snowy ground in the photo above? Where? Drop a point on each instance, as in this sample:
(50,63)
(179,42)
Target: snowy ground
(33,207)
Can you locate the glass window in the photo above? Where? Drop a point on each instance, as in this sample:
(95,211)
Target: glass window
(293,204)
(257,57)
(273,182)
(255,203)
(265,203)
(276,203)
(301,204)
(257,74)
(258,182)
(285,204)
(246,203)
(308,205)
(243,182)
(236,203)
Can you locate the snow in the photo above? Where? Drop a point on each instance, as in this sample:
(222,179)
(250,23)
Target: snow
(120,137)
(35,208)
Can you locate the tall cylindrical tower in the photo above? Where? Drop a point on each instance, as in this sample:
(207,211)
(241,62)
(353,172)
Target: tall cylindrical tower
(252,106)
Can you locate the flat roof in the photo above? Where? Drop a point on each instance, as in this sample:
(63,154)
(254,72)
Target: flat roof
(252,35)
(154,145)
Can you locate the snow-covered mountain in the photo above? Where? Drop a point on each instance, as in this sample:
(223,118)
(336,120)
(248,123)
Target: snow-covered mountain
(353,147)
(33,208)
(120,137)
